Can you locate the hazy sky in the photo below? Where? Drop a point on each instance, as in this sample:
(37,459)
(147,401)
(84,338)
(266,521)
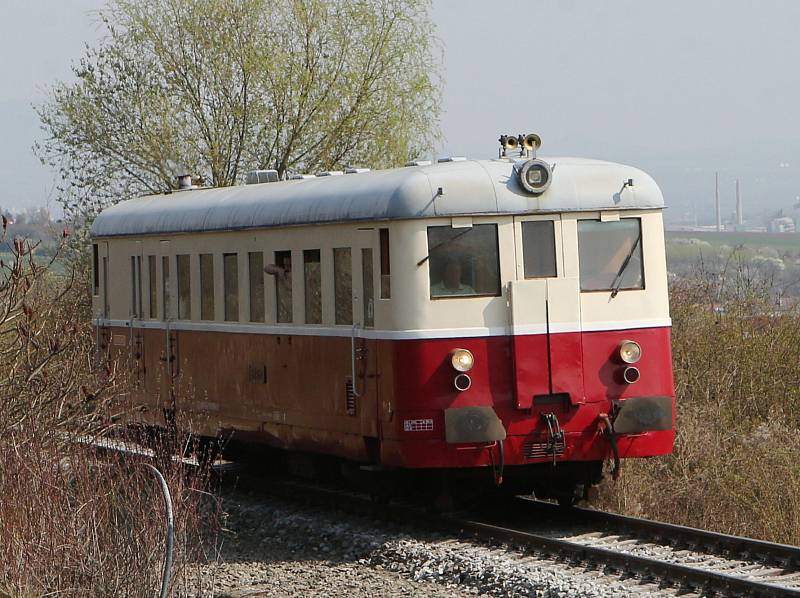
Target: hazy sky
(678,88)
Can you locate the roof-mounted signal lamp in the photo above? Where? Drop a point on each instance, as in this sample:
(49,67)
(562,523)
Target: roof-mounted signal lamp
(535,175)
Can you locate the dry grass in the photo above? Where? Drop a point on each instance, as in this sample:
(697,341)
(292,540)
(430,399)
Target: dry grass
(71,523)
(76,525)
(736,463)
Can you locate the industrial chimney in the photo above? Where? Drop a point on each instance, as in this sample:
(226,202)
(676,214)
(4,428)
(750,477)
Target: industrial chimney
(739,211)
(716,201)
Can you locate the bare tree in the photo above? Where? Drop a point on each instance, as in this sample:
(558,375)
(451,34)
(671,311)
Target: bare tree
(215,87)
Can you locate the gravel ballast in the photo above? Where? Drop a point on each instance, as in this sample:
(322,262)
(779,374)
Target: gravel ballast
(270,547)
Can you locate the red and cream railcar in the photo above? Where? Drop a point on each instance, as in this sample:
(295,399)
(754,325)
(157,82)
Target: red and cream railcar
(463,314)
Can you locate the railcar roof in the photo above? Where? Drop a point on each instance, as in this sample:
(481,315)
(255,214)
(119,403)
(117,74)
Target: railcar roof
(469,187)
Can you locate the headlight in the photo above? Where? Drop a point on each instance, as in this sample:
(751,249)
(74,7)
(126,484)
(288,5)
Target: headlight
(630,352)
(535,176)
(462,360)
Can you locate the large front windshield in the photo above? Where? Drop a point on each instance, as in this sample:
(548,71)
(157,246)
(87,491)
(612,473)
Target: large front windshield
(610,254)
(464,262)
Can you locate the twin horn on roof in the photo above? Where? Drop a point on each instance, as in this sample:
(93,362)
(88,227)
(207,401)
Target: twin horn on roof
(526,143)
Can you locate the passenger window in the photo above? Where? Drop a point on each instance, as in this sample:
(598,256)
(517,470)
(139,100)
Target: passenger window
(136,287)
(151,281)
(206,286)
(313,285)
(610,255)
(463,262)
(230,275)
(343,285)
(105,287)
(95,270)
(539,248)
(283,286)
(386,280)
(369,288)
(255,267)
(184,288)
(139,310)
(133,287)
(165,296)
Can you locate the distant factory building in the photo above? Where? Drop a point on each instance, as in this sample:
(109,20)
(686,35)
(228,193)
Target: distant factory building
(781,225)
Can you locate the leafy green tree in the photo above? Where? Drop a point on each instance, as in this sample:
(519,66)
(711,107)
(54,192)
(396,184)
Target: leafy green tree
(218,87)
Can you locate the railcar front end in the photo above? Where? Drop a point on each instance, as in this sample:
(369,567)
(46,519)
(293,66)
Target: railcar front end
(549,343)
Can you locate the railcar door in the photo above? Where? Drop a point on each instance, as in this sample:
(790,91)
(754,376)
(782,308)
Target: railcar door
(362,401)
(169,350)
(136,337)
(168,301)
(101,308)
(151,347)
(545,312)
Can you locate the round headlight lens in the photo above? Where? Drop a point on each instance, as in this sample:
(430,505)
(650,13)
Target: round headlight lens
(462,360)
(630,351)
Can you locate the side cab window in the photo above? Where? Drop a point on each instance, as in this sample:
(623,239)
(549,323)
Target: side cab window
(463,262)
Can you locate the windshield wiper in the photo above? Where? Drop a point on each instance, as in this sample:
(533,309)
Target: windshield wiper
(443,243)
(618,278)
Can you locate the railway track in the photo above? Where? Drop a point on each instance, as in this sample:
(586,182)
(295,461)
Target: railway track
(684,557)
(678,559)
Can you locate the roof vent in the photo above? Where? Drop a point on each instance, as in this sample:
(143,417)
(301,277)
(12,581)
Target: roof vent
(451,159)
(300,177)
(185,182)
(418,163)
(254,177)
(355,170)
(330,173)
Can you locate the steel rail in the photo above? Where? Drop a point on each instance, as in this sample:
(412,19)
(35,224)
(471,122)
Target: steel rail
(782,554)
(648,569)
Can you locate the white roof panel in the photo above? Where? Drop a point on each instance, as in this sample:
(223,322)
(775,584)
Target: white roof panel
(469,187)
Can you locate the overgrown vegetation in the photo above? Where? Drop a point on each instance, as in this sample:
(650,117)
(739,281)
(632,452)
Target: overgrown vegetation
(71,523)
(213,88)
(736,463)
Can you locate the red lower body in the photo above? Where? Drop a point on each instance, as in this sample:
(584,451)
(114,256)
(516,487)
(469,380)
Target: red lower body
(576,377)
(295,392)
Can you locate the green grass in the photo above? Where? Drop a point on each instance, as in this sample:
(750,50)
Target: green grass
(777,241)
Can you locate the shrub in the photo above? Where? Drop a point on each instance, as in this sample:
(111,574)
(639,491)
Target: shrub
(736,462)
(72,523)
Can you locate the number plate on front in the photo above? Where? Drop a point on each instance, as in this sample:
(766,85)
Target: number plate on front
(417,425)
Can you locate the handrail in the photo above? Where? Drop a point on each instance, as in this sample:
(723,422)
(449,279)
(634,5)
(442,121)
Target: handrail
(353,360)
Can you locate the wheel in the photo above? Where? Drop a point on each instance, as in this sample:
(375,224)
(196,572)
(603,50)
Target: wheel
(567,502)
(569,497)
